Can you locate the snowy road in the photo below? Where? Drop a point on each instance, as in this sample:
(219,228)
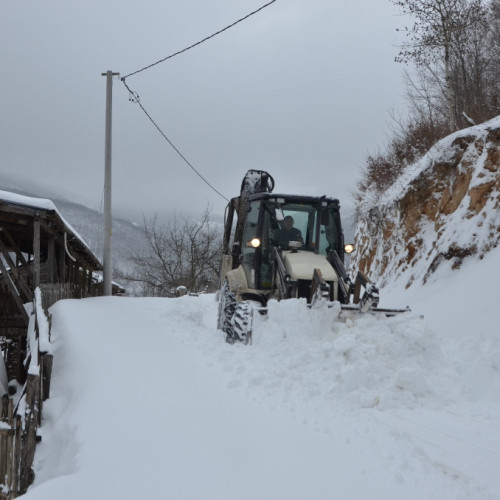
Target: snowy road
(148,401)
(462,446)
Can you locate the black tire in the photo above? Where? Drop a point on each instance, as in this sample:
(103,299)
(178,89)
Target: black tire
(242,321)
(227,304)
(235,318)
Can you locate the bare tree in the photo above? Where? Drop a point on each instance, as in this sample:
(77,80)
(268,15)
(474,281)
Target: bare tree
(442,34)
(493,51)
(184,252)
(455,82)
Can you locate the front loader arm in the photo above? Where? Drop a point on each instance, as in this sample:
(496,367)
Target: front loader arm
(282,280)
(370,297)
(320,289)
(346,287)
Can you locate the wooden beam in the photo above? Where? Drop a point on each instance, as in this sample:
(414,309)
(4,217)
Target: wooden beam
(15,272)
(14,292)
(36,250)
(12,327)
(15,208)
(62,263)
(14,246)
(51,259)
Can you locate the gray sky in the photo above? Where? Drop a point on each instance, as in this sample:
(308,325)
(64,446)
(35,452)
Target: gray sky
(303,89)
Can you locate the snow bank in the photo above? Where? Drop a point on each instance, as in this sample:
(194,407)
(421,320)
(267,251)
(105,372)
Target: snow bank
(361,362)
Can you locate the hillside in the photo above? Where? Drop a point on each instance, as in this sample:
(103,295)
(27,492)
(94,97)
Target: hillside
(443,210)
(127,239)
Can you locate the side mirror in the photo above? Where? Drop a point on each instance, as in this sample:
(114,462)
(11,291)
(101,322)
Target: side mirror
(280,217)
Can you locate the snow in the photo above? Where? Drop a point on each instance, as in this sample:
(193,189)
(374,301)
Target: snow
(441,234)
(33,368)
(439,152)
(148,401)
(28,201)
(43,324)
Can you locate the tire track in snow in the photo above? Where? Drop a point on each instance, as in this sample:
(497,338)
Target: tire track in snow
(468,446)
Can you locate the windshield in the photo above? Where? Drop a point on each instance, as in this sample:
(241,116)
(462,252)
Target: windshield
(299,223)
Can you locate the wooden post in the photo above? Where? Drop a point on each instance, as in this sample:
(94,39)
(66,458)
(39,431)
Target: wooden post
(51,260)
(36,250)
(62,264)
(46,363)
(6,447)
(89,283)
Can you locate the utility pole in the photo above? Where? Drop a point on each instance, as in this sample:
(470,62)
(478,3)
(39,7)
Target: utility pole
(107,187)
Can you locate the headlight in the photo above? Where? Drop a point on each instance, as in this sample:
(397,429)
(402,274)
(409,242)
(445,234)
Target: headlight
(349,248)
(253,243)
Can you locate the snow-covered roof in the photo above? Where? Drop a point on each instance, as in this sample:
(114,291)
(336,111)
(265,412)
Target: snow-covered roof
(15,207)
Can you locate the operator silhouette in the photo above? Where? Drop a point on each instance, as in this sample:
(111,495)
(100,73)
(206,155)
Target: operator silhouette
(288,233)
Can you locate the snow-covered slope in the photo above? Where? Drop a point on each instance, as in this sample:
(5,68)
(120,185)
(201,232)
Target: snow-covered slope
(148,401)
(442,210)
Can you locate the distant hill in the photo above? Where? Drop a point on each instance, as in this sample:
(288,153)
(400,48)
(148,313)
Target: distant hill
(127,237)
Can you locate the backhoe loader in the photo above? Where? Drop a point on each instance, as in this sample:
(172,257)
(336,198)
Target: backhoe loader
(283,246)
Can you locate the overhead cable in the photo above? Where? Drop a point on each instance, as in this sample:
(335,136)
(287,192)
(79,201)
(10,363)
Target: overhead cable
(134,97)
(198,43)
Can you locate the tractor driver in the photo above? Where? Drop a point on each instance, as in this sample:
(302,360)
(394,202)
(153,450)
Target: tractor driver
(288,233)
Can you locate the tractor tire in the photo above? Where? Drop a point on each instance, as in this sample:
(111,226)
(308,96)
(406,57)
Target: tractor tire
(242,321)
(235,318)
(227,304)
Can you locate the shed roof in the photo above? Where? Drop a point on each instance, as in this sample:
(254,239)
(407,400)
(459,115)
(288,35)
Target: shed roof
(17,214)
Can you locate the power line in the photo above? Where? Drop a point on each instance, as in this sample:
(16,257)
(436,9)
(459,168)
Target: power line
(134,97)
(198,43)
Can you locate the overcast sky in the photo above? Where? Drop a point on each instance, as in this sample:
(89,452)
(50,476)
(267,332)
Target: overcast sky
(302,89)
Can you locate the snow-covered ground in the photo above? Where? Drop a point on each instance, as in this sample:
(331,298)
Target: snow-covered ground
(149,402)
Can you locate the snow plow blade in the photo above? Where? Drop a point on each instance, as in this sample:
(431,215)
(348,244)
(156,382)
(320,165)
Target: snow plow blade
(366,303)
(374,310)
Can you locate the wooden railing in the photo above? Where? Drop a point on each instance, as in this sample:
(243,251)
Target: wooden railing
(51,293)
(21,413)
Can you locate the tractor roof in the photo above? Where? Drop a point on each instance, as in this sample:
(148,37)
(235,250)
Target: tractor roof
(295,198)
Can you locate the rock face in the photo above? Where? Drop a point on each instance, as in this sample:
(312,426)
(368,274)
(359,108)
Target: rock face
(443,209)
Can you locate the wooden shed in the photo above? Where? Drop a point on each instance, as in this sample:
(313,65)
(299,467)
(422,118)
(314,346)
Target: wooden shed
(38,248)
(42,259)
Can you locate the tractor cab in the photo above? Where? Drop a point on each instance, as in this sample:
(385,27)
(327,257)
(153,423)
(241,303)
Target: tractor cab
(287,224)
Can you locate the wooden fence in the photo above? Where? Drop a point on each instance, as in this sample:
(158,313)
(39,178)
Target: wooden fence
(21,410)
